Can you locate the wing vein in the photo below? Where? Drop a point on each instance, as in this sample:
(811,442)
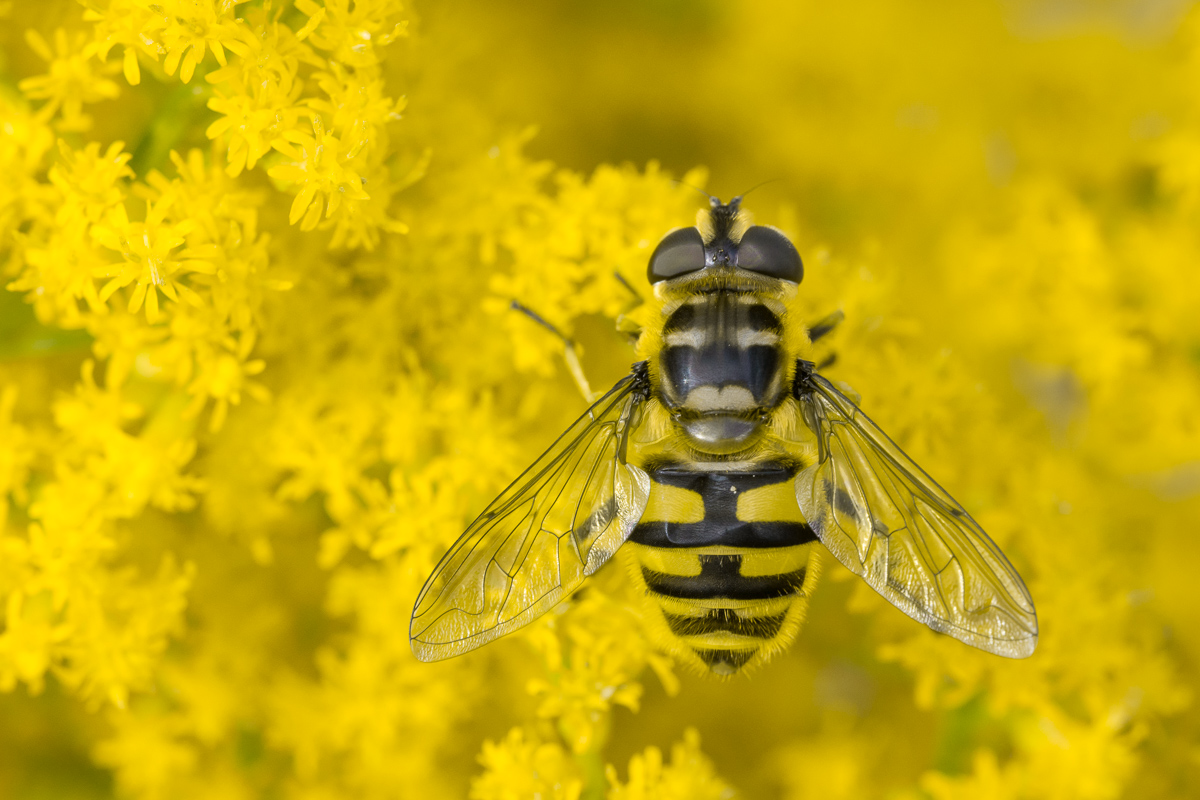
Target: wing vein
(938,566)
(471,598)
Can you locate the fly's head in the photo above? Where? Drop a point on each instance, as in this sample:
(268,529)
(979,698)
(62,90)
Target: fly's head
(724,247)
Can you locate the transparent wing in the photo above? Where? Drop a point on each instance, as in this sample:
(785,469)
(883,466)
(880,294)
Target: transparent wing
(536,542)
(890,523)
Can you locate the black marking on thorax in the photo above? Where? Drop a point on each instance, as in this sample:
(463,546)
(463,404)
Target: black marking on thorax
(720,526)
(722,339)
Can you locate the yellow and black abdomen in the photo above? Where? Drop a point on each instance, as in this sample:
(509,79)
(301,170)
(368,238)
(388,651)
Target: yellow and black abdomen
(727,559)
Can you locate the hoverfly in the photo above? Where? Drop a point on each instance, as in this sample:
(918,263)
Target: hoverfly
(717,466)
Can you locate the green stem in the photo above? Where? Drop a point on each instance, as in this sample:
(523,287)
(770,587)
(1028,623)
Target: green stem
(595,782)
(178,111)
(22,336)
(591,762)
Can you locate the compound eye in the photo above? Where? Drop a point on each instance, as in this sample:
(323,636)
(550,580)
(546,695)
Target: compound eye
(768,252)
(679,253)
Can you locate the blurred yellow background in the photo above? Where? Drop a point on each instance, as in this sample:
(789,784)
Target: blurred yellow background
(251,391)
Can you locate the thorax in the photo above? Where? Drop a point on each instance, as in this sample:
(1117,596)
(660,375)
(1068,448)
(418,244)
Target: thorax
(722,366)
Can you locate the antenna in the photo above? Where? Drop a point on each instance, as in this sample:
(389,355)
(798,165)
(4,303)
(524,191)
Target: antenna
(715,200)
(752,188)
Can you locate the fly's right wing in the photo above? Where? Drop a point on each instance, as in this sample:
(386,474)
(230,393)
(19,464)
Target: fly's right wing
(890,523)
(555,525)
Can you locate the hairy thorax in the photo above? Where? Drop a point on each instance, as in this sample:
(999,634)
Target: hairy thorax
(723,364)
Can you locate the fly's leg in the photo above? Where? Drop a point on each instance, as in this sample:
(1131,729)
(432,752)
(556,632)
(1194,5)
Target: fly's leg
(824,325)
(820,329)
(636,296)
(570,352)
(625,325)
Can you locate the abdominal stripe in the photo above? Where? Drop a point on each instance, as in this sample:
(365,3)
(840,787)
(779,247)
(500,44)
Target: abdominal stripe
(720,525)
(720,576)
(726,620)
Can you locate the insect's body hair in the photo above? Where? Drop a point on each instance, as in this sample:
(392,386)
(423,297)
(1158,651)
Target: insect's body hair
(716,634)
(717,470)
(687,649)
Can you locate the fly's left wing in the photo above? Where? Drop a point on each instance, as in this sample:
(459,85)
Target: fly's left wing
(556,524)
(891,524)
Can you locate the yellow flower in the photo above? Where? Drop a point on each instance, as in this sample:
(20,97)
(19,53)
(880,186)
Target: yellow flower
(15,456)
(92,184)
(224,374)
(187,27)
(73,79)
(257,103)
(689,775)
(321,168)
(24,198)
(593,667)
(32,632)
(225,235)
(180,30)
(60,268)
(520,766)
(122,22)
(151,258)
(59,272)
(148,758)
(351,31)
(354,96)
(1013,263)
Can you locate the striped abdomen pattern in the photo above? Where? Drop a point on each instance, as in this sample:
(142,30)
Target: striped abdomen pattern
(725,556)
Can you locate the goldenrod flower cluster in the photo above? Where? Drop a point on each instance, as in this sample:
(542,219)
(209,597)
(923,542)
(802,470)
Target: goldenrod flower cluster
(258,369)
